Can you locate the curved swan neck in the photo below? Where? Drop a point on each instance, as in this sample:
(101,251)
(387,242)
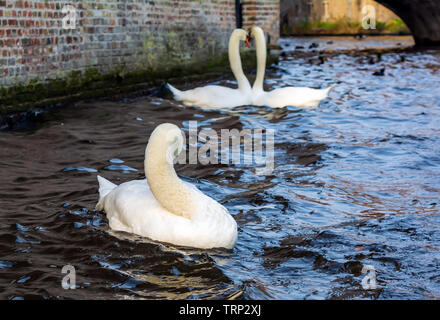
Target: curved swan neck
(171,192)
(235,60)
(261,58)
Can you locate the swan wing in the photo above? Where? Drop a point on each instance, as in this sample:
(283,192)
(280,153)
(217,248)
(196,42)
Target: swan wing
(131,207)
(301,97)
(212,96)
(127,204)
(214,223)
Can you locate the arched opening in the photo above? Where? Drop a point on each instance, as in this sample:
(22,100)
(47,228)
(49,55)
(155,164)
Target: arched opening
(336,17)
(421,17)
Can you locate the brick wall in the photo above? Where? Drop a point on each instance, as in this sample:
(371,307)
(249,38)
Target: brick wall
(264,13)
(110,34)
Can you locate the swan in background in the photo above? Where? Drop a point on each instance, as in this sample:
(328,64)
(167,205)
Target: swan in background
(301,97)
(164,208)
(219,97)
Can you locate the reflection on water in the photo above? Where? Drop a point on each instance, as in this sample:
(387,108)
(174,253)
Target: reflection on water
(356,182)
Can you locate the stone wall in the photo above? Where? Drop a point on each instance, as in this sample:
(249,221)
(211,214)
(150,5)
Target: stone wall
(127,35)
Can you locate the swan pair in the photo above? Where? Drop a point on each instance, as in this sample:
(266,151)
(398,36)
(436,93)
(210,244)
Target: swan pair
(164,208)
(218,97)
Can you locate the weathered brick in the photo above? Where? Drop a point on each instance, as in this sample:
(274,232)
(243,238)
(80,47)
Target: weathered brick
(264,13)
(111,34)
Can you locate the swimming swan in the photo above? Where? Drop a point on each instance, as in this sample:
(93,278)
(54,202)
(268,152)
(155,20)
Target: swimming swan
(301,97)
(219,97)
(163,207)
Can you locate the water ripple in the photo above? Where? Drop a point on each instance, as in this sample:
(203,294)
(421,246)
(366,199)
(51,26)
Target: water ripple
(356,182)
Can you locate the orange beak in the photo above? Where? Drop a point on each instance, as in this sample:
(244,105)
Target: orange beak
(248,42)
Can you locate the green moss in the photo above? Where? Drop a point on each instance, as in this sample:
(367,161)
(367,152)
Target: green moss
(345,26)
(326,25)
(397,26)
(380,26)
(91,83)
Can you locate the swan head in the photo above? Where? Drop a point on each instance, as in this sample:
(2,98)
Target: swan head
(254,32)
(166,139)
(239,34)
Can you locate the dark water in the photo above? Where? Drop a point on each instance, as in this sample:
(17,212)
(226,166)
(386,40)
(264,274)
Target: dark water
(356,182)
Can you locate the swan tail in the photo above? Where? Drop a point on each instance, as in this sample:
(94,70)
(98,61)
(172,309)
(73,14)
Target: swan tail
(105,187)
(176,92)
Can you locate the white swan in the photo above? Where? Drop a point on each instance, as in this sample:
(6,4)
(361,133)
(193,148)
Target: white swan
(163,207)
(219,97)
(301,97)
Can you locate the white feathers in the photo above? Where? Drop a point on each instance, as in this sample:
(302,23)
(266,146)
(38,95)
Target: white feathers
(218,97)
(301,97)
(105,187)
(164,208)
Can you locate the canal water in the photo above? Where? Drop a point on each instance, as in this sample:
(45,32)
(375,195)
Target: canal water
(355,187)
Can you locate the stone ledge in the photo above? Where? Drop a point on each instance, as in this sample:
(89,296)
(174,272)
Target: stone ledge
(20,102)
